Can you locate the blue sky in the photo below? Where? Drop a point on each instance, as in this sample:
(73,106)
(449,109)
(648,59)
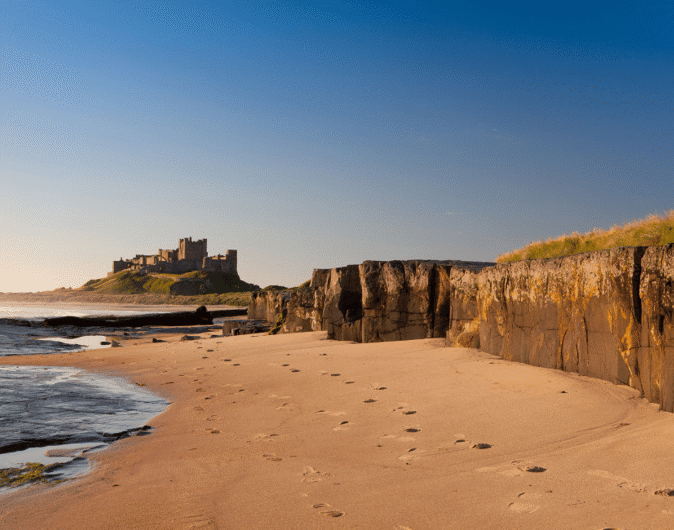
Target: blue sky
(316,134)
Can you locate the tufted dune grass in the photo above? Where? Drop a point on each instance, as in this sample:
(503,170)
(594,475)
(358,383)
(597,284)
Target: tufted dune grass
(654,230)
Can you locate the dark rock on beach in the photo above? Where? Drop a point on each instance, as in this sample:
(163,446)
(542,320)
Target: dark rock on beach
(182,318)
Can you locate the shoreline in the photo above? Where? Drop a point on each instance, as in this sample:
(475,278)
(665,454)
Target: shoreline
(298,431)
(74,296)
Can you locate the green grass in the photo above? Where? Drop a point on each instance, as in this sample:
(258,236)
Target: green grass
(131,282)
(654,230)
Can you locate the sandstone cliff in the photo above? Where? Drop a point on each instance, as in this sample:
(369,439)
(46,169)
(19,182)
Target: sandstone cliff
(268,305)
(605,314)
(378,301)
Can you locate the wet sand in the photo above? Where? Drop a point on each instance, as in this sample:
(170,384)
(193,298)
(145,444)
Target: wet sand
(295,431)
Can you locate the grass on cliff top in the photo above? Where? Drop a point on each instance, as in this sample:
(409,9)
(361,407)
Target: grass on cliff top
(654,230)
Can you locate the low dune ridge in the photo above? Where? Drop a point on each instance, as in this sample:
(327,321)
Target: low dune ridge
(295,430)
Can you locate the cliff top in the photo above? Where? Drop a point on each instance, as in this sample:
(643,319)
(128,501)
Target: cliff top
(654,230)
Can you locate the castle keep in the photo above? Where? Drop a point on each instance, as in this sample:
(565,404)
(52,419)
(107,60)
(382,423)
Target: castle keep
(189,256)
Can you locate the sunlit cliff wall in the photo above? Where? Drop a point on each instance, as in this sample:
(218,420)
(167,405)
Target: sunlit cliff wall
(605,314)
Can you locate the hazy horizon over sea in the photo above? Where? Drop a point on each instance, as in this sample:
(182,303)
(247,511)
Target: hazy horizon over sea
(32,311)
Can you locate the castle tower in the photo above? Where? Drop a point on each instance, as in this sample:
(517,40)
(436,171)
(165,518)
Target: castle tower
(192,250)
(230,258)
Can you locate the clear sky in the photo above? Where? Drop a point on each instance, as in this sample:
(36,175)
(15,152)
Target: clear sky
(317,134)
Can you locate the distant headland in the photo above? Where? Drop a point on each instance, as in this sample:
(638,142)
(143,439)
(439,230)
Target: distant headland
(186,275)
(190,256)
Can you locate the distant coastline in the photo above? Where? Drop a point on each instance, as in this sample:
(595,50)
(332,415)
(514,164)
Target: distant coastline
(75,296)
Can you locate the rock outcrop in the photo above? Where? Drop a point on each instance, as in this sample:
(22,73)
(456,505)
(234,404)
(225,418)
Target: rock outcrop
(655,355)
(305,307)
(244,327)
(342,305)
(606,314)
(378,301)
(268,305)
(463,321)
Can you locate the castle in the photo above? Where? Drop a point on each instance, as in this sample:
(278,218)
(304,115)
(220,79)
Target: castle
(189,256)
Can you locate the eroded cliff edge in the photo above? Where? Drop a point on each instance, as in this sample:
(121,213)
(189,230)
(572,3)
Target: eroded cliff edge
(604,314)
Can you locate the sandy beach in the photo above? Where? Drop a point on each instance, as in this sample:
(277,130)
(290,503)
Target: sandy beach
(295,431)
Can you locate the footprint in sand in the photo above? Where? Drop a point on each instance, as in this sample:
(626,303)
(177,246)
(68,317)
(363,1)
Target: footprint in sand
(527,467)
(214,431)
(327,513)
(411,429)
(272,457)
(311,475)
(265,437)
(412,454)
(522,505)
(349,382)
(369,401)
(342,426)
(332,513)
(481,446)
(621,482)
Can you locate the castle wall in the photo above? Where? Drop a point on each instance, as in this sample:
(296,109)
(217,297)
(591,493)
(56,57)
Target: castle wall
(168,255)
(120,265)
(189,256)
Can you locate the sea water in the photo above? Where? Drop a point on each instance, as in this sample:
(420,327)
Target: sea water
(54,414)
(21,332)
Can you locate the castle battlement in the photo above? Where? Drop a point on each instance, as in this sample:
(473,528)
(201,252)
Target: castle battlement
(189,256)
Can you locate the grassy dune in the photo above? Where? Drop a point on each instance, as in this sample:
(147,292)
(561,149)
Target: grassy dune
(654,230)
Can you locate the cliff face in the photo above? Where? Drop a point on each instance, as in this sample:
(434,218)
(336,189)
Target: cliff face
(305,307)
(268,305)
(377,301)
(655,355)
(605,314)
(580,313)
